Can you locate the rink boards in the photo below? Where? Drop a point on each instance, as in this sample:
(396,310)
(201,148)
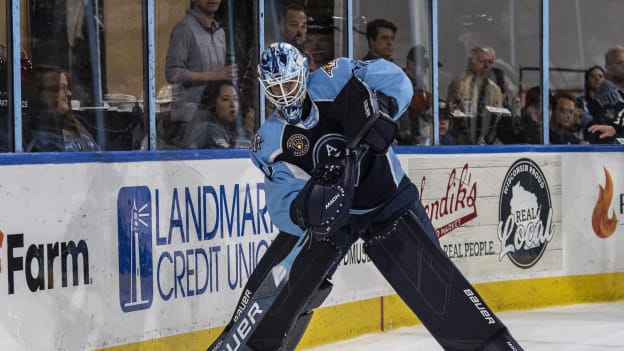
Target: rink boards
(118,252)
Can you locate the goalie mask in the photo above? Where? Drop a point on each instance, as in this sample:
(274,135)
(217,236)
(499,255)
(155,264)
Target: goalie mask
(283,73)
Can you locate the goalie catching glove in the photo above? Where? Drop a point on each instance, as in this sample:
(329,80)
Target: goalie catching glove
(323,205)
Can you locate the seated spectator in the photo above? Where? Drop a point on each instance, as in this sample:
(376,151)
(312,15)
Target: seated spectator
(515,128)
(218,123)
(608,121)
(449,134)
(563,120)
(594,77)
(531,121)
(52,125)
(473,91)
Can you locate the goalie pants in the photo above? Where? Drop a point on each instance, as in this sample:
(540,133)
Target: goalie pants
(403,245)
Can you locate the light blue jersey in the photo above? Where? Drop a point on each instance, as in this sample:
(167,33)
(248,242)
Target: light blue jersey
(287,153)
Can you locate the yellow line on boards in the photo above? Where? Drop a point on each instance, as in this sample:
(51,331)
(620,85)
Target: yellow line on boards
(341,322)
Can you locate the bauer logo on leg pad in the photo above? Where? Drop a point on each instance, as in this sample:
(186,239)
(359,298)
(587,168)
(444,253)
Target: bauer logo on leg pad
(480,306)
(243,329)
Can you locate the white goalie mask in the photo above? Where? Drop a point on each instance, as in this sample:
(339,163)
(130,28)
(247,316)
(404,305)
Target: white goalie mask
(283,72)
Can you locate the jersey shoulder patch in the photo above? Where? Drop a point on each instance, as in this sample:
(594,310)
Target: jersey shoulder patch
(256,143)
(266,143)
(329,67)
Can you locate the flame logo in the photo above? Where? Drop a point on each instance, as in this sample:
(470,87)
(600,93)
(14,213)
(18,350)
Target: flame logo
(604,226)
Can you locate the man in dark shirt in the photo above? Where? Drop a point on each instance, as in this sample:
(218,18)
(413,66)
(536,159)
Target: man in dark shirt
(380,36)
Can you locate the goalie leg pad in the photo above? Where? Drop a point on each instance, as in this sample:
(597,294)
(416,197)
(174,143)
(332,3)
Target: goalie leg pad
(502,341)
(300,326)
(430,284)
(310,270)
(306,289)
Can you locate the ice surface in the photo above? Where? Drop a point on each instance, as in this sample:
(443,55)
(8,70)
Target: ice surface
(585,327)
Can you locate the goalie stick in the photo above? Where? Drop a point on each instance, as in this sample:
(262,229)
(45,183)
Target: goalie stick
(247,319)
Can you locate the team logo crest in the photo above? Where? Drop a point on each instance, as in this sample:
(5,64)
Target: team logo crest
(298,145)
(525,224)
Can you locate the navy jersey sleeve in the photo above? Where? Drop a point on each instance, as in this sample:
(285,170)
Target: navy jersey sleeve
(387,77)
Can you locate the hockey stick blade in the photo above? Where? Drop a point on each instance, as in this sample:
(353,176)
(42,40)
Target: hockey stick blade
(247,320)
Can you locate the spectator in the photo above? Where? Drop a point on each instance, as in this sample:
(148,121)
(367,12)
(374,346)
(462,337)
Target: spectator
(449,134)
(563,121)
(215,126)
(445,127)
(196,55)
(473,91)
(380,36)
(614,62)
(52,126)
(524,126)
(293,29)
(480,28)
(594,77)
(294,25)
(531,120)
(608,122)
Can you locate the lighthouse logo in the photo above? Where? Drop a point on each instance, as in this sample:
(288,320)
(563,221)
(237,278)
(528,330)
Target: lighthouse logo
(134,235)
